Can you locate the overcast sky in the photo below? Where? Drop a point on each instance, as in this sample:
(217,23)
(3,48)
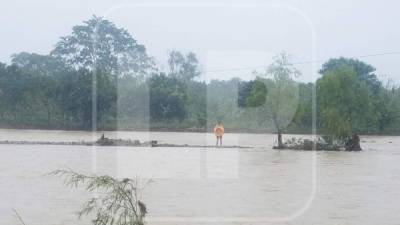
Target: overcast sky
(225,36)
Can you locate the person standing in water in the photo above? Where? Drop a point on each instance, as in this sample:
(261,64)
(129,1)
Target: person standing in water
(219,132)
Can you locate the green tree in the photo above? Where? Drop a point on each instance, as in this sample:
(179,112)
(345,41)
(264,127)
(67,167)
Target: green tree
(389,108)
(167,98)
(43,93)
(196,103)
(252,93)
(363,70)
(283,94)
(183,67)
(99,44)
(303,117)
(222,102)
(76,96)
(15,91)
(43,71)
(3,106)
(133,103)
(119,202)
(344,105)
(40,65)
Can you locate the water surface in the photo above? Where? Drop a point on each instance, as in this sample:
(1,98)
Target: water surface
(198,186)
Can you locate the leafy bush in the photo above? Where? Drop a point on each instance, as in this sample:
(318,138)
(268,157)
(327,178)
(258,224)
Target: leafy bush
(117,201)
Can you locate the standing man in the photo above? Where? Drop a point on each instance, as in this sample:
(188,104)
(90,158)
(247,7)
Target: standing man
(219,132)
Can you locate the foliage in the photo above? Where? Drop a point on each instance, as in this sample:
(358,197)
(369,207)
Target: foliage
(245,88)
(222,103)
(99,44)
(55,91)
(252,94)
(196,103)
(183,67)
(344,103)
(133,108)
(167,98)
(282,98)
(303,117)
(363,71)
(117,202)
(40,65)
(388,106)
(76,95)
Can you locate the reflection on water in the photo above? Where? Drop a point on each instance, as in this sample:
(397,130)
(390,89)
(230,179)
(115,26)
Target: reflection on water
(352,188)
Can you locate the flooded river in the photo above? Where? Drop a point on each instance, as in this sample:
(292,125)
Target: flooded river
(206,186)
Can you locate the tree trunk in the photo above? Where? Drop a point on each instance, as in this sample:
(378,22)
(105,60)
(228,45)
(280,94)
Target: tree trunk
(353,143)
(280,144)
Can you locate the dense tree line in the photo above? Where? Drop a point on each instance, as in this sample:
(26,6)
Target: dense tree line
(100,73)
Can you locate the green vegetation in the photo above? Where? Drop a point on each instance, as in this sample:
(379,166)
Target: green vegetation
(116,202)
(345,103)
(168,96)
(351,102)
(282,98)
(99,61)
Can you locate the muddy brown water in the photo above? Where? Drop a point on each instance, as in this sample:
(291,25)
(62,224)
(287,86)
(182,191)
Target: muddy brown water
(206,186)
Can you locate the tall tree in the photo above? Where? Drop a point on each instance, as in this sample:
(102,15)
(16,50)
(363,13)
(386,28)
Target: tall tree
(184,67)
(363,70)
(344,105)
(167,98)
(283,95)
(99,44)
